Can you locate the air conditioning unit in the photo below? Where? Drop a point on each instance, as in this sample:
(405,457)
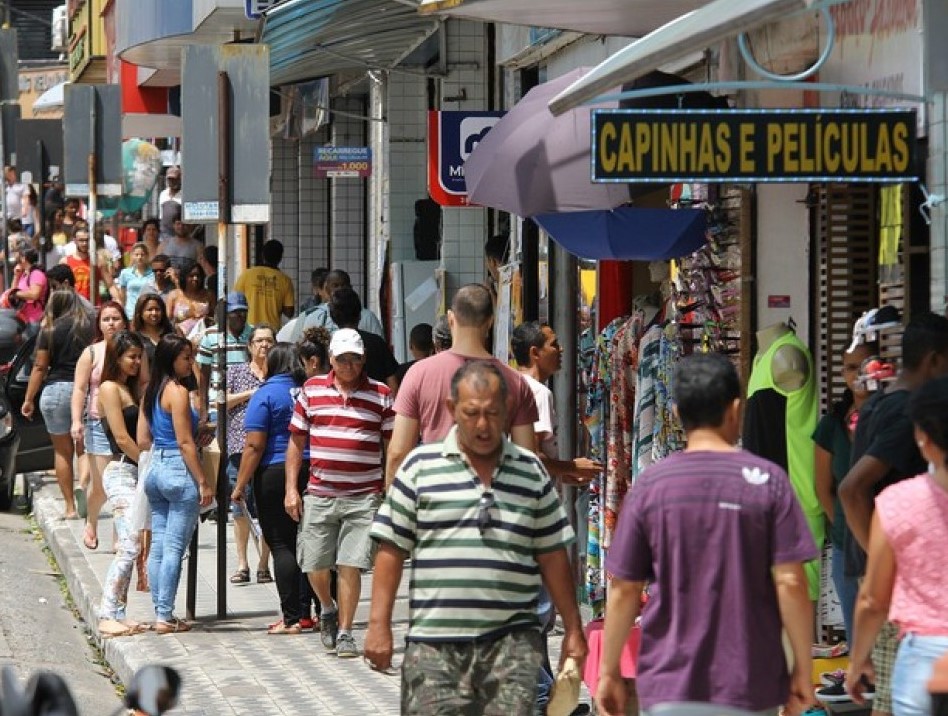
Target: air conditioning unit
(60,29)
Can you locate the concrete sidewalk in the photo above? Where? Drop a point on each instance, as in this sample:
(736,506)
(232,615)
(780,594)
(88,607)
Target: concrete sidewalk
(231,666)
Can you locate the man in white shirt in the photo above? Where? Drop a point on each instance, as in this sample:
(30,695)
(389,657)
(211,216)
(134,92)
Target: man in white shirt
(15,193)
(169,212)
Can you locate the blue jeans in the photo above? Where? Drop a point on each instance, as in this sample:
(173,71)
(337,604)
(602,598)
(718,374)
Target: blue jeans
(547,616)
(846,589)
(175,502)
(913,668)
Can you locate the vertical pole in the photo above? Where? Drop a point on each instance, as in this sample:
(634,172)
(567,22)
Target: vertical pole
(93,286)
(6,273)
(223,219)
(40,229)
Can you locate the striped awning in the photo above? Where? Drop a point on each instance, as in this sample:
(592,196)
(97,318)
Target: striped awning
(318,38)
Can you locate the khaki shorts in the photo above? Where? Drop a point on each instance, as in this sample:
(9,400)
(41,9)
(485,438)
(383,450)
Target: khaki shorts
(335,531)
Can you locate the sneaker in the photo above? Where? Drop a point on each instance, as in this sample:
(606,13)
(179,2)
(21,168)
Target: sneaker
(346,647)
(329,629)
(307,624)
(832,678)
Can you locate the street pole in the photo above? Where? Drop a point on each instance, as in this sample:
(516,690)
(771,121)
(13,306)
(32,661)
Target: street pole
(93,286)
(7,278)
(223,219)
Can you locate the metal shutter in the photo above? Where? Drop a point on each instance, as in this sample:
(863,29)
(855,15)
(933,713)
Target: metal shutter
(844,233)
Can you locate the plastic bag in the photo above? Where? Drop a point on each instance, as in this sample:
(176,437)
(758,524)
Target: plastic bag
(140,513)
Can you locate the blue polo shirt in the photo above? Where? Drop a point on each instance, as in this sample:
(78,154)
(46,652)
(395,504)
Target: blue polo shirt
(269,411)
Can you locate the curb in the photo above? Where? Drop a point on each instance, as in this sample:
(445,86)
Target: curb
(83,584)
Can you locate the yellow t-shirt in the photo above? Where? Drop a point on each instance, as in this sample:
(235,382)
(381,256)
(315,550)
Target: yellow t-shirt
(268,291)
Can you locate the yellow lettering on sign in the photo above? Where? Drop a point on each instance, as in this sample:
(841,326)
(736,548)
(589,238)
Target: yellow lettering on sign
(688,145)
(850,148)
(643,145)
(607,155)
(625,150)
(806,155)
(667,153)
(724,148)
(831,147)
(791,148)
(774,141)
(900,134)
(705,150)
(748,165)
(884,150)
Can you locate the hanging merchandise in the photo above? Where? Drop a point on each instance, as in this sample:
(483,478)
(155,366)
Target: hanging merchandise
(627,370)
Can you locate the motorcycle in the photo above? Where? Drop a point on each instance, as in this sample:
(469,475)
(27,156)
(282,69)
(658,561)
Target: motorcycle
(152,691)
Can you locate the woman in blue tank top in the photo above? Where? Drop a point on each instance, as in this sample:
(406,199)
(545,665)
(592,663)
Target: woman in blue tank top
(175,484)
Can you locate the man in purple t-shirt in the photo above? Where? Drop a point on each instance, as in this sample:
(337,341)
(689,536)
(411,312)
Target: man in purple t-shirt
(719,537)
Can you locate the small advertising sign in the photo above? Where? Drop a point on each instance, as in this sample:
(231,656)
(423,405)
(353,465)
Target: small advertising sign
(805,145)
(343,162)
(452,137)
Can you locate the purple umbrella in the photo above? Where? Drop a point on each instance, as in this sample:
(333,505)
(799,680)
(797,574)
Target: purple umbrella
(531,162)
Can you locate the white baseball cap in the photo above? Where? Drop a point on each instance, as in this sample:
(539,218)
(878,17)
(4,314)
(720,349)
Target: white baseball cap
(346,340)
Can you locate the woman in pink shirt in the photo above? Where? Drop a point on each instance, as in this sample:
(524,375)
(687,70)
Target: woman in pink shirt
(905,576)
(30,287)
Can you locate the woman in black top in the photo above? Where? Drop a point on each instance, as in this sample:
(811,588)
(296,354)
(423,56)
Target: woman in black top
(65,331)
(118,406)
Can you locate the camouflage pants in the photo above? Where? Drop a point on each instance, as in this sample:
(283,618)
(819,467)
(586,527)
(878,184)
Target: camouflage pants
(498,677)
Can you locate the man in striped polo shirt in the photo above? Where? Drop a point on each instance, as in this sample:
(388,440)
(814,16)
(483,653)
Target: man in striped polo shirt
(482,523)
(348,419)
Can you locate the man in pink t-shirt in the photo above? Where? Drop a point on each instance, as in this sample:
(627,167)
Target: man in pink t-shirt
(421,411)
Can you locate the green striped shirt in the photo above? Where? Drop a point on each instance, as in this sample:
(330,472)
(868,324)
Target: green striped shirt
(466,584)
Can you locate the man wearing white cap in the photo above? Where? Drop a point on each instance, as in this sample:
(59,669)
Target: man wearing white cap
(348,419)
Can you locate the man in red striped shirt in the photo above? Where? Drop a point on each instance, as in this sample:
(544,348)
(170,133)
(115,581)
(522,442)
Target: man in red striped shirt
(348,418)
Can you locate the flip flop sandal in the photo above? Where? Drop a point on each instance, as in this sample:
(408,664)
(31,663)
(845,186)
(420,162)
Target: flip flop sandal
(263,576)
(241,576)
(280,628)
(175,626)
(81,507)
(91,542)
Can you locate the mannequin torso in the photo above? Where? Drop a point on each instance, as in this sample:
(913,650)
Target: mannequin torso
(790,368)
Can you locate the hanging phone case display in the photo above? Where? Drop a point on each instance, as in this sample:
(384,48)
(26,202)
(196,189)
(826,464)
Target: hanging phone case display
(626,371)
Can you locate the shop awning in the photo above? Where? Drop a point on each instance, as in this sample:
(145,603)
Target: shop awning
(317,38)
(629,18)
(715,22)
(628,233)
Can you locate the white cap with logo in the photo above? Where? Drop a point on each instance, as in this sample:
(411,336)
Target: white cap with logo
(346,340)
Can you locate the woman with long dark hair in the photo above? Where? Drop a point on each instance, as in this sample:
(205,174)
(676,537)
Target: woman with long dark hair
(30,289)
(267,436)
(175,483)
(151,321)
(86,420)
(119,408)
(191,302)
(64,333)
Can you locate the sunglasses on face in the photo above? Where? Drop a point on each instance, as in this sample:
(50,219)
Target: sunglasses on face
(483,510)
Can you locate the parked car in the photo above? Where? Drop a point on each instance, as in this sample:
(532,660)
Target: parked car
(24,444)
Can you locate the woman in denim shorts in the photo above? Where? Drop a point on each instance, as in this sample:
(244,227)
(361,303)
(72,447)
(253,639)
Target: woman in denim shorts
(86,422)
(65,331)
(119,408)
(175,483)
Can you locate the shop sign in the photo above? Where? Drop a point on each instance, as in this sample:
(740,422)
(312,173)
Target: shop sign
(452,137)
(343,162)
(806,145)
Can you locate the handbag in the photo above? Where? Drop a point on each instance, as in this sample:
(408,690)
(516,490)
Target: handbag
(140,512)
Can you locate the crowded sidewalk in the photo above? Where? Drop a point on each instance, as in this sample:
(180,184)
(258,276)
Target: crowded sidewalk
(231,666)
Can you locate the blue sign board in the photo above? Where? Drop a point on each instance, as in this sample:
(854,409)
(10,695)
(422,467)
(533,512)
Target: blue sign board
(336,162)
(452,137)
